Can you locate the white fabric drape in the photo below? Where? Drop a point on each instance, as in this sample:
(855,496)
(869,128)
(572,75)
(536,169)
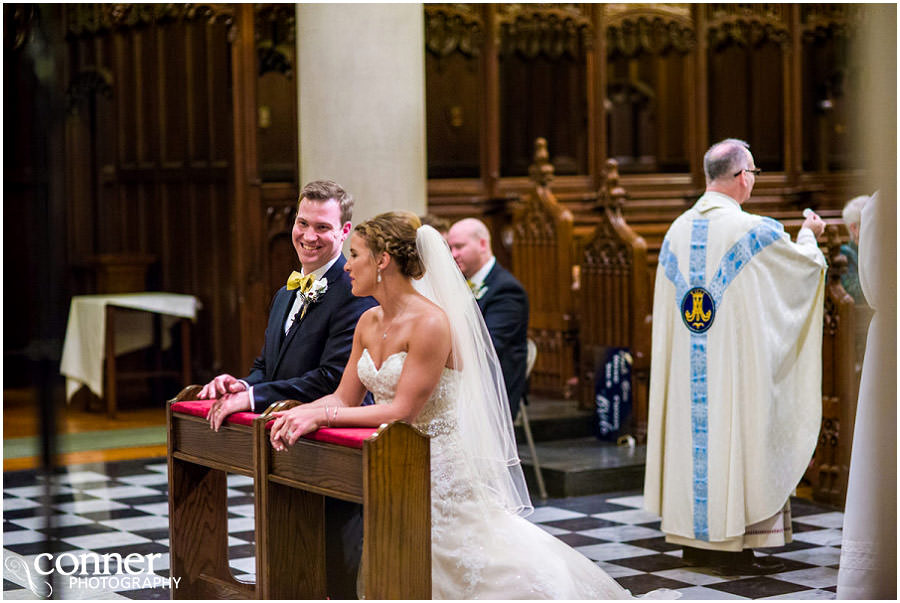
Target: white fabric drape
(868,568)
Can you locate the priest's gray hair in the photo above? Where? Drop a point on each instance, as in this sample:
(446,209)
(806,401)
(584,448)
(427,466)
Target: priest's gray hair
(725,158)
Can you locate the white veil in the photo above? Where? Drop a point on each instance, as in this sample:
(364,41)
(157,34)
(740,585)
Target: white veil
(485,426)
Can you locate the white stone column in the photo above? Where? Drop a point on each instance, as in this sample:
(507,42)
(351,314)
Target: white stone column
(361,102)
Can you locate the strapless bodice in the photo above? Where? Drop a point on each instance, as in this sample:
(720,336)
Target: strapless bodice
(438,416)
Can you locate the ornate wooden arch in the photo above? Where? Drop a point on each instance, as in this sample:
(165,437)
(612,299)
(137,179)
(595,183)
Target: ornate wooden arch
(633,29)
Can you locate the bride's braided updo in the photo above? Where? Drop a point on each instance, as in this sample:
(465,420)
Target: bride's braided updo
(394,233)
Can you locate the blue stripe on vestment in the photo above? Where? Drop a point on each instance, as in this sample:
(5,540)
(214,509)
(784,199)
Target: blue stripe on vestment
(761,236)
(700,432)
(699,234)
(669,263)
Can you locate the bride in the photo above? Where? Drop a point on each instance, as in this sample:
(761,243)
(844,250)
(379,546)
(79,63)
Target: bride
(426,356)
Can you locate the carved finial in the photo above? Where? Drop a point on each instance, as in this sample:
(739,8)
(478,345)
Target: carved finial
(837,261)
(611,194)
(541,171)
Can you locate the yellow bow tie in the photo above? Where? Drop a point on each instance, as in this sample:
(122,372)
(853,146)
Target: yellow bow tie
(298,281)
(471,285)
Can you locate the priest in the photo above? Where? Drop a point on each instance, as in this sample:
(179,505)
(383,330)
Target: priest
(735,381)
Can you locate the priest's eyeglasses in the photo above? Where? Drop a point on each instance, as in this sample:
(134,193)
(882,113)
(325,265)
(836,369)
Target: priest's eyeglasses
(754,171)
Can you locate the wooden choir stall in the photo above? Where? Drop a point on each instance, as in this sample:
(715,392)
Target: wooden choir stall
(588,264)
(387,470)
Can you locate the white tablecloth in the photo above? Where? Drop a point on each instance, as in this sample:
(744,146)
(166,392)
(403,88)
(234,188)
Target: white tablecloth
(84,349)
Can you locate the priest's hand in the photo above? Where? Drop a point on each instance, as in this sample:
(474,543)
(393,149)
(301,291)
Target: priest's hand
(221,385)
(291,424)
(814,223)
(226,405)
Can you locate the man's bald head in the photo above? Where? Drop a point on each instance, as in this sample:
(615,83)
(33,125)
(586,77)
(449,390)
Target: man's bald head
(470,243)
(729,166)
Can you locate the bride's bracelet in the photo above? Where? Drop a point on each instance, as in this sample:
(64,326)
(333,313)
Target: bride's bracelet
(327,420)
(334,412)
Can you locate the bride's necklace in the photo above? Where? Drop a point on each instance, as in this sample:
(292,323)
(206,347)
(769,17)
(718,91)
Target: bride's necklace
(391,324)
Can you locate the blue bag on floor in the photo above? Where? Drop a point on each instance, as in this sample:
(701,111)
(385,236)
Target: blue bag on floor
(612,393)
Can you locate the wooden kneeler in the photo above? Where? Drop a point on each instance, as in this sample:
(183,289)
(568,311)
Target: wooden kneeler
(387,470)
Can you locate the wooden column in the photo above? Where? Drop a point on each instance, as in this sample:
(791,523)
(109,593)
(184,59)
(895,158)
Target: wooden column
(793,99)
(700,101)
(490,138)
(597,71)
(247,259)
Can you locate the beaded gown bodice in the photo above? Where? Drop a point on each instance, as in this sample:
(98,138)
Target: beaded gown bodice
(479,549)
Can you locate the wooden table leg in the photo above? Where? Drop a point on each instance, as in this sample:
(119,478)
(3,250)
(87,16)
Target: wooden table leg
(110,386)
(185,352)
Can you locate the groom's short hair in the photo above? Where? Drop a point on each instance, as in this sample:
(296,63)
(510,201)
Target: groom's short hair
(326,190)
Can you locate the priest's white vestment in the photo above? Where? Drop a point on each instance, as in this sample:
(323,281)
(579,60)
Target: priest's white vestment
(736,372)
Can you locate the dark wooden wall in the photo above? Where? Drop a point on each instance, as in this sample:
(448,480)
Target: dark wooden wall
(150,154)
(651,86)
(173,137)
(170,130)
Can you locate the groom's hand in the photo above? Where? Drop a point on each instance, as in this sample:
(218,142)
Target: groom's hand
(221,385)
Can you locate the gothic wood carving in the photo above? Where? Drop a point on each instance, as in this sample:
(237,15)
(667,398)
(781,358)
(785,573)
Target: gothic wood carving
(554,30)
(543,258)
(91,19)
(275,38)
(748,24)
(453,28)
(614,300)
(633,29)
(830,465)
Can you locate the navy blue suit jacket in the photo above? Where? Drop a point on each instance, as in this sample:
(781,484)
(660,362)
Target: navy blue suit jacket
(504,305)
(308,361)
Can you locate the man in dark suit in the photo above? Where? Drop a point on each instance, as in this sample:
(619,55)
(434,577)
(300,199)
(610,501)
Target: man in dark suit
(501,298)
(307,344)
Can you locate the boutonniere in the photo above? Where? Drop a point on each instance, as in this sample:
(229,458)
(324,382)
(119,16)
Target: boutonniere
(477,290)
(314,294)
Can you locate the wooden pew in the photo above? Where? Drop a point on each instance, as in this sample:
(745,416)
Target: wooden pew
(614,306)
(830,466)
(542,259)
(389,475)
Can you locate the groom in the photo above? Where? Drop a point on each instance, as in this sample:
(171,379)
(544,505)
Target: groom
(307,344)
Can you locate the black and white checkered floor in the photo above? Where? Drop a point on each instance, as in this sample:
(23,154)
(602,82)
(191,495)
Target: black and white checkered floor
(122,508)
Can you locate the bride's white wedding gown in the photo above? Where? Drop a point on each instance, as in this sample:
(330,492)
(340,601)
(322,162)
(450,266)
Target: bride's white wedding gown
(479,550)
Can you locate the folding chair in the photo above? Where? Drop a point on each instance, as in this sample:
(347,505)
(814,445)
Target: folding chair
(522,420)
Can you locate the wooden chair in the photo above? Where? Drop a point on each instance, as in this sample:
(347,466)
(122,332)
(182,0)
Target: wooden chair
(389,473)
(614,298)
(542,259)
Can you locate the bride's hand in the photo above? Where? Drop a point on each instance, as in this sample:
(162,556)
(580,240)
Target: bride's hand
(291,424)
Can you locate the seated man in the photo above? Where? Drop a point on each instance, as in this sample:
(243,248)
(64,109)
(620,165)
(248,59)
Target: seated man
(307,344)
(501,298)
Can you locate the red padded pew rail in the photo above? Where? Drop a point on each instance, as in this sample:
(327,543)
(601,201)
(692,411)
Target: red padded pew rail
(351,437)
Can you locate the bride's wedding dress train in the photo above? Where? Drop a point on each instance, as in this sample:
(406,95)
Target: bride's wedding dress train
(480,550)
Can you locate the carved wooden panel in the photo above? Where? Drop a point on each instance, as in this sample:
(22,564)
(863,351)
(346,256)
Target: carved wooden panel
(830,465)
(542,259)
(543,84)
(276,92)
(829,87)
(454,92)
(613,299)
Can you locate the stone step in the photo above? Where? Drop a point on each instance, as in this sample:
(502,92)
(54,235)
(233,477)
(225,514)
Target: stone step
(583,466)
(556,420)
